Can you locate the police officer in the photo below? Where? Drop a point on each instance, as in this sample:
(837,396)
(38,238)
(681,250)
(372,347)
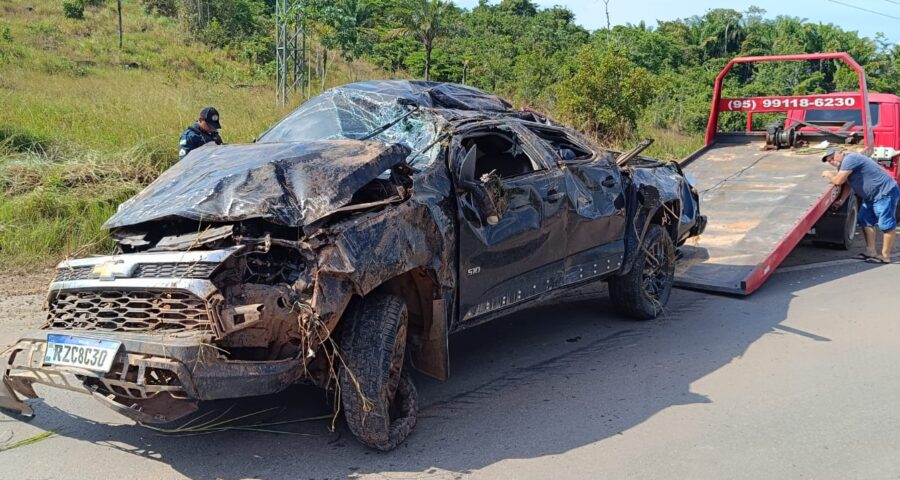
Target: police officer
(203,131)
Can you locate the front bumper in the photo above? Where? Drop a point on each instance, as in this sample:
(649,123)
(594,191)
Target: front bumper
(154,379)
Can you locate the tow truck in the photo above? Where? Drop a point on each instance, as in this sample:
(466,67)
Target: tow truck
(761,189)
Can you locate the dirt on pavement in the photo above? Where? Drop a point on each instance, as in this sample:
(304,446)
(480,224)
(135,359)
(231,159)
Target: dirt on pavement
(21,302)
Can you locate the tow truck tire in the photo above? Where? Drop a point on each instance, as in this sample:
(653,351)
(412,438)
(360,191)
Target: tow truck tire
(850,224)
(837,228)
(378,396)
(642,293)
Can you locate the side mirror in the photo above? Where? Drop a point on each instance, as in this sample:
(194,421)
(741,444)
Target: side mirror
(489,197)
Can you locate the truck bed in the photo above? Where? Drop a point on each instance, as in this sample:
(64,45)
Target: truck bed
(759,205)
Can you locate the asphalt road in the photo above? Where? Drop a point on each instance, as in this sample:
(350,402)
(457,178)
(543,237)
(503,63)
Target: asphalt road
(799,380)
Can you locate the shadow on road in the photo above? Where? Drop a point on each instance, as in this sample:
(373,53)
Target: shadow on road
(538,383)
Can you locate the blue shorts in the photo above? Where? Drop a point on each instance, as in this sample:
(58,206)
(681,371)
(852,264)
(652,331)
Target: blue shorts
(881,212)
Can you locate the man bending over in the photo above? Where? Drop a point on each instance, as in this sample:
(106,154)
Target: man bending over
(879,193)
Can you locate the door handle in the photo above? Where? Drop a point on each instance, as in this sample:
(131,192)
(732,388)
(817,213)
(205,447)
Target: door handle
(608,182)
(553,195)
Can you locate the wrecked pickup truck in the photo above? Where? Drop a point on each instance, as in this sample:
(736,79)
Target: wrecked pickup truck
(342,248)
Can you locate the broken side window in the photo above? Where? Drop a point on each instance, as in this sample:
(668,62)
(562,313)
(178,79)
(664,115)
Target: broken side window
(561,144)
(500,152)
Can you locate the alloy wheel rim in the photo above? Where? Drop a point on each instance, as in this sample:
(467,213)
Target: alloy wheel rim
(656,270)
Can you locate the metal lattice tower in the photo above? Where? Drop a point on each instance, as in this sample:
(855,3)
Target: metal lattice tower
(290,49)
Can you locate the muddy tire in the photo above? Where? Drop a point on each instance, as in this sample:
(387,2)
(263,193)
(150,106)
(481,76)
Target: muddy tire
(377,393)
(642,293)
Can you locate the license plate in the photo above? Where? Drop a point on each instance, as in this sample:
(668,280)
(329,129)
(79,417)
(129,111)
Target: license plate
(87,353)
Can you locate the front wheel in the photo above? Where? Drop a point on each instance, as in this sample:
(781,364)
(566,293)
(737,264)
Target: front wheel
(643,292)
(377,393)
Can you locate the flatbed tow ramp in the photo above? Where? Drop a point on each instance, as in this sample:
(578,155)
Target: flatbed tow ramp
(762,192)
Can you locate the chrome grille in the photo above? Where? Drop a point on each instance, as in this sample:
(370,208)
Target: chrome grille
(75,273)
(128,311)
(143,270)
(174,270)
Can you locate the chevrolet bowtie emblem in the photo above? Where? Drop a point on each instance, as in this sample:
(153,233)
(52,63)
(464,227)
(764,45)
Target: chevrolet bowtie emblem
(112,269)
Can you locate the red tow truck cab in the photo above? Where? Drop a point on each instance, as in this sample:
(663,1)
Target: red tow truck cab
(884,116)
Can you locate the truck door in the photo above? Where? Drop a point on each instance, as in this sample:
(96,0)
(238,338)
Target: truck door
(885,133)
(518,254)
(595,221)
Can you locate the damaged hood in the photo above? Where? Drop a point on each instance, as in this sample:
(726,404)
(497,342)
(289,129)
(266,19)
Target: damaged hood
(291,184)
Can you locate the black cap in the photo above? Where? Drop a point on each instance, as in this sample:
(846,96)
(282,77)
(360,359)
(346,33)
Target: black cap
(211,116)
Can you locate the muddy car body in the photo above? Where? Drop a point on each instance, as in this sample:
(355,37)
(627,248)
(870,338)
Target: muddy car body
(342,248)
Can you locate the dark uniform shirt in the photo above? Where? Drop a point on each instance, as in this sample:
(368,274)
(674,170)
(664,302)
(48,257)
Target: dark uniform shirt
(195,137)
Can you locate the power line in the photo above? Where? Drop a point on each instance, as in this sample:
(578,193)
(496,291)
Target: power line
(892,1)
(864,9)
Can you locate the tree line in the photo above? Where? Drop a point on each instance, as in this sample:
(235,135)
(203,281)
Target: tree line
(605,81)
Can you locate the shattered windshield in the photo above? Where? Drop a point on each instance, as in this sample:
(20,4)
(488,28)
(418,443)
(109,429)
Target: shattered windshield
(343,113)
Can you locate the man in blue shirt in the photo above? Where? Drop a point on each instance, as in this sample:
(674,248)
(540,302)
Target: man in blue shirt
(879,193)
(203,131)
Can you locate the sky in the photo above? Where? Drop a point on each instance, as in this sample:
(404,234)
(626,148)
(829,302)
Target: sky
(843,13)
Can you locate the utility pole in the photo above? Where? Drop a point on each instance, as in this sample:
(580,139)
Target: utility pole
(290,49)
(119,5)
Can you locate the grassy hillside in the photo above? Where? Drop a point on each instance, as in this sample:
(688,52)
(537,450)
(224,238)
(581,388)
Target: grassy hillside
(67,81)
(84,124)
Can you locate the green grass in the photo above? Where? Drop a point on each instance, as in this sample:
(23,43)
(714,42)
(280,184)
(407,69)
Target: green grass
(55,200)
(669,144)
(84,125)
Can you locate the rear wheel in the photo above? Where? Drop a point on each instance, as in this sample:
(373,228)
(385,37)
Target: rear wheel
(643,292)
(837,228)
(850,224)
(377,393)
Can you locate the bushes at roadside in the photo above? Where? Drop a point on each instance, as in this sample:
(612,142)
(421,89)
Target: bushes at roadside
(606,94)
(73,9)
(165,8)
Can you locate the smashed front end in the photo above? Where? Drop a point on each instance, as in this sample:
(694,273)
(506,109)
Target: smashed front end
(234,270)
(179,327)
